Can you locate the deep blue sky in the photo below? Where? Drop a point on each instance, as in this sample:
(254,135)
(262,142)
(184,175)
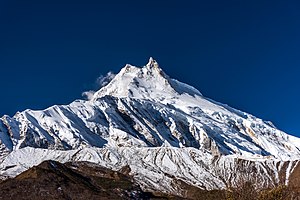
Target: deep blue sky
(242,53)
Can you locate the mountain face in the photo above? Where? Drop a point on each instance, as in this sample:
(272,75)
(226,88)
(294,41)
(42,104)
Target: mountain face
(164,130)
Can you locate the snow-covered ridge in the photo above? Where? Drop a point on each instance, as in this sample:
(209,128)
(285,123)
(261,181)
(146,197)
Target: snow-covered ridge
(157,169)
(143,108)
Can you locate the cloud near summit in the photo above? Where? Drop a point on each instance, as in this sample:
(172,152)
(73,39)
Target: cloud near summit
(100,82)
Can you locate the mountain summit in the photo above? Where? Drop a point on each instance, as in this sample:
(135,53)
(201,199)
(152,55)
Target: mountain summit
(148,82)
(163,129)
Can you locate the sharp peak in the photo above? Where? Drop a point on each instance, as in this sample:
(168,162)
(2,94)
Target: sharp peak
(152,63)
(149,75)
(151,66)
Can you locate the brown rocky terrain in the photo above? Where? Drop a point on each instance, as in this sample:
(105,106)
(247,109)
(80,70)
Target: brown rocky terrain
(81,180)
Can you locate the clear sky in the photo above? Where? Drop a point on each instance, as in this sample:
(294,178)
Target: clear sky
(242,53)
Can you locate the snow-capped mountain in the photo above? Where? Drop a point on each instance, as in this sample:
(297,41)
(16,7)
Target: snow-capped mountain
(161,128)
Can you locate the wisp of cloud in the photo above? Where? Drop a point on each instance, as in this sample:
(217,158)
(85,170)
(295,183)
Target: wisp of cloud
(100,82)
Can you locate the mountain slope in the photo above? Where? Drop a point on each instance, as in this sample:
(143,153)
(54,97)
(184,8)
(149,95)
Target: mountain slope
(145,115)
